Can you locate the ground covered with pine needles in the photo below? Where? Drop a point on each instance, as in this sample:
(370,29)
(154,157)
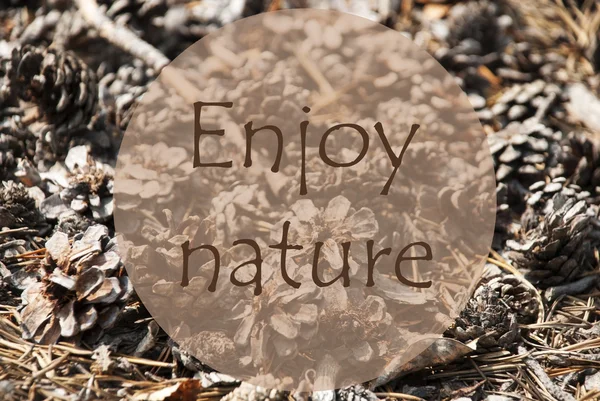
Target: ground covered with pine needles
(531,330)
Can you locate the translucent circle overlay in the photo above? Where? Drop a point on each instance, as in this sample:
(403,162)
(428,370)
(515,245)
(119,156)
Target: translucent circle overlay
(293,134)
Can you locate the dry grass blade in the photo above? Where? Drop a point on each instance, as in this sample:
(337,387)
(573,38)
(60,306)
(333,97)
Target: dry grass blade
(399,396)
(32,367)
(542,377)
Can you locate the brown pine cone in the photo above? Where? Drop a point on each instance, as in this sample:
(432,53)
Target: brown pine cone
(541,193)
(561,248)
(16,143)
(524,61)
(71,223)
(87,189)
(78,288)
(477,22)
(523,101)
(17,207)
(7,159)
(522,154)
(475,36)
(10,147)
(119,92)
(519,296)
(580,159)
(59,83)
(20,219)
(491,315)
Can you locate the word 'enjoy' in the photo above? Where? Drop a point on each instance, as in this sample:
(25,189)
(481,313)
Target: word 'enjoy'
(396,160)
(283,246)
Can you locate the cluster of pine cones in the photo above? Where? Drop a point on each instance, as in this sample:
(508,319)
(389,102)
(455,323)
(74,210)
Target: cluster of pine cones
(64,107)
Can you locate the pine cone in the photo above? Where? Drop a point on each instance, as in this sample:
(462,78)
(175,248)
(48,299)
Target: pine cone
(522,153)
(78,287)
(493,313)
(59,83)
(520,297)
(10,148)
(523,101)
(580,159)
(476,34)
(170,26)
(477,22)
(16,144)
(7,159)
(17,207)
(356,393)
(72,223)
(541,193)
(90,189)
(561,248)
(87,189)
(523,62)
(506,55)
(18,210)
(120,91)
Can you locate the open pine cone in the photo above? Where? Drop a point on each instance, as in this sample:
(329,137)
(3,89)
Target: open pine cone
(523,101)
(16,143)
(494,312)
(17,207)
(561,248)
(59,83)
(478,23)
(20,218)
(539,200)
(120,91)
(581,160)
(522,152)
(78,287)
(87,189)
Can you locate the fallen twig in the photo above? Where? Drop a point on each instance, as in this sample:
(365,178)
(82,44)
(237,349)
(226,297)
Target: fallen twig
(121,36)
(539,372)
(577,287)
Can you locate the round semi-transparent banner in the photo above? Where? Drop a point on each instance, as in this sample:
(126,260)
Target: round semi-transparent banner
(305,199)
